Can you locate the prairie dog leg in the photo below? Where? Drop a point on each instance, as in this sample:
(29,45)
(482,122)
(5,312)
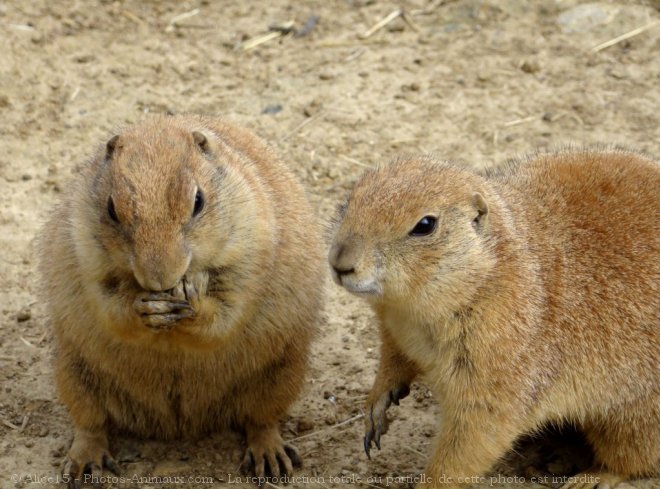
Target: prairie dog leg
(471,441)
(392,383)
(89,452)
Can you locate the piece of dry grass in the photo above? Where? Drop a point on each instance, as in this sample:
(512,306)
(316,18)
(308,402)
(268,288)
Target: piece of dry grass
(133,17)
(382,23)
(178,18)
(354,161)
(258,41)
(304,123)
(9,424)
(623,37)
(275,32)
(522,120)
(431,8)
(27,342)
(329,428)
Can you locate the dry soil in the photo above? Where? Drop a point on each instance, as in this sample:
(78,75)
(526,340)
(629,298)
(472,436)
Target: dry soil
(472,81)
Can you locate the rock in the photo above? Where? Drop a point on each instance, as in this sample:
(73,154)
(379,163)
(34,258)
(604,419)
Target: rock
(23,315)
(272,109)
(530,66)
(585,17)
(412,87)
(482,76)
(313,108)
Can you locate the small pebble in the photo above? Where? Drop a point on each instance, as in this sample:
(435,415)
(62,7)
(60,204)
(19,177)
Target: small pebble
(530,66)
(412,87)
(272,109)
(23,315)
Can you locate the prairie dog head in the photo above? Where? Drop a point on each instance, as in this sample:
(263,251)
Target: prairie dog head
(414,231)
(161,206)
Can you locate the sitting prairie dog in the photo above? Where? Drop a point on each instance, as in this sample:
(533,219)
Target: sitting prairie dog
(183,275)
(524,295)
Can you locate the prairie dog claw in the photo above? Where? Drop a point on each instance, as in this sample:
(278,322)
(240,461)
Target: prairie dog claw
(377,423)
(162,310)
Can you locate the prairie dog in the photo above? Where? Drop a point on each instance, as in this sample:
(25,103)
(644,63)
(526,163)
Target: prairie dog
(524,295)
(183,276)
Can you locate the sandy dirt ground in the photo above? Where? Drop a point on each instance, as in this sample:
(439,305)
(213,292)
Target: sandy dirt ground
(469,80)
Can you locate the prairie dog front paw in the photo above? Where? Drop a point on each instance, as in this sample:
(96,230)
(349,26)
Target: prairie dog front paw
(376,422)
(191,288)
(161,310)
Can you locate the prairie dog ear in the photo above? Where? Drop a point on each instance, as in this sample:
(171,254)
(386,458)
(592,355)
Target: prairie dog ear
(481,208)
(202,141)
(111,146)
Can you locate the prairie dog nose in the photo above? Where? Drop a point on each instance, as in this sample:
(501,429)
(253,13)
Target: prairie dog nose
(159,271)
(156,282)
(342,259)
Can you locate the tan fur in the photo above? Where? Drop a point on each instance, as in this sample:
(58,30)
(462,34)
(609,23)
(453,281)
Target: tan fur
(253,257)
(546,309)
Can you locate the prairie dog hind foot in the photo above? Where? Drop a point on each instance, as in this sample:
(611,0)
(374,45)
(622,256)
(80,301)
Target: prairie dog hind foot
(267,455)
(86,459)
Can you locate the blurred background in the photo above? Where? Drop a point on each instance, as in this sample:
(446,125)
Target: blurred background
(335,86)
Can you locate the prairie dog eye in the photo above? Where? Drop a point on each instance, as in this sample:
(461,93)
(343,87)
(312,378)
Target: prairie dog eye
(199,203)
(424,227)
(111,210)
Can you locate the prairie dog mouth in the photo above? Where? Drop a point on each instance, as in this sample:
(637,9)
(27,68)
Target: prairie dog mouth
(360,287)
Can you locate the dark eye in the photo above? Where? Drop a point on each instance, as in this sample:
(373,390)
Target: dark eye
(111,210)
(424,227)
(199,203)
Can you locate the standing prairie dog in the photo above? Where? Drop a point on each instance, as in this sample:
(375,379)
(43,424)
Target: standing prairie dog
(183,275)
(524,295)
